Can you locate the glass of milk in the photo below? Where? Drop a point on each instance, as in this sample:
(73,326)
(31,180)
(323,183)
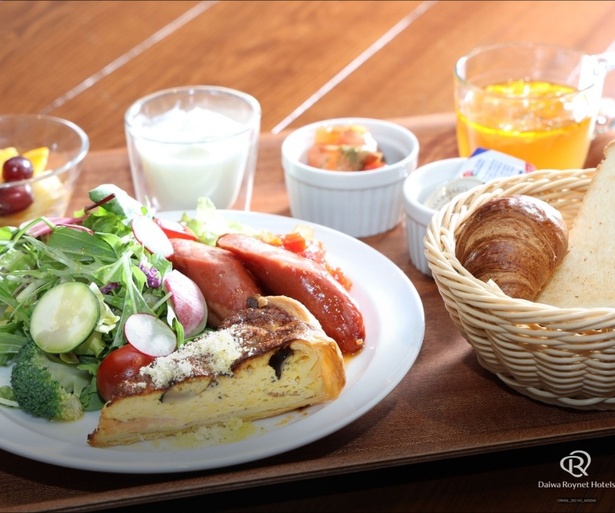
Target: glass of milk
(191,142)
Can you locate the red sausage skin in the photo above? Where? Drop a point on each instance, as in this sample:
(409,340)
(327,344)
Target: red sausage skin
(221,276)
(283,272)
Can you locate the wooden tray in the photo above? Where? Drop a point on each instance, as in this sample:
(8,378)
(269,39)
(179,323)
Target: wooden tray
(446,406)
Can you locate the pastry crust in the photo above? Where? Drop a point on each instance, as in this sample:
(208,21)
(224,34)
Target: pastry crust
(268,359)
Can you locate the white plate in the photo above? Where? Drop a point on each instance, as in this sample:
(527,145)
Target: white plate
(395,325)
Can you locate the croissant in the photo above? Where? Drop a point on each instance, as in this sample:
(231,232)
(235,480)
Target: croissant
(516,241)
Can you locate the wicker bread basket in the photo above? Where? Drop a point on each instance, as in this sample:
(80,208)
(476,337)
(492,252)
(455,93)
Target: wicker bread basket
(558,356)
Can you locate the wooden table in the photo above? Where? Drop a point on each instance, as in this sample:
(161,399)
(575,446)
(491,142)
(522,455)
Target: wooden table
(304,61)
(447,407)
(450,437)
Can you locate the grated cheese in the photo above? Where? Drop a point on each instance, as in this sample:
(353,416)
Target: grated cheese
(220,349)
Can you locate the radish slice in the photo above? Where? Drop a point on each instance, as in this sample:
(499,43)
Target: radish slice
(188,302)
(150,335)
(148,233)
(173,229)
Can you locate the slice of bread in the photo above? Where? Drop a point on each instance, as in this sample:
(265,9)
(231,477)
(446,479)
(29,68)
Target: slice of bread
(586,276)
(268,359)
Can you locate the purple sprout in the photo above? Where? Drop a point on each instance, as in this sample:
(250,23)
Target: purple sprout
(152,275)
(105,289)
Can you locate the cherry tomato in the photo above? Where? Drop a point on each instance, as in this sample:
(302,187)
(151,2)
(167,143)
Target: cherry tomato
(174,230)
(294,242)
(373,161)
(119,365)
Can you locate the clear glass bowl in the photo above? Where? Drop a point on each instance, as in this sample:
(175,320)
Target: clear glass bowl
(51,190)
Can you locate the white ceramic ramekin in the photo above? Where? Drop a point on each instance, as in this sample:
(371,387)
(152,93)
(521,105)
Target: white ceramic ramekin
(358,203)
(418,187)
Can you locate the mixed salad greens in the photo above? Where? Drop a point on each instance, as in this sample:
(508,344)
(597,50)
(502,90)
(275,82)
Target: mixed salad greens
(90,277)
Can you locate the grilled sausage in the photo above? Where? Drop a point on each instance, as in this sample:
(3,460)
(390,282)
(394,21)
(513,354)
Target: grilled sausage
(221,276)
(283,272)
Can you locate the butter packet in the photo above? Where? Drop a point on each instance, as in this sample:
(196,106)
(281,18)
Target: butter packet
(487,165)
(479,168)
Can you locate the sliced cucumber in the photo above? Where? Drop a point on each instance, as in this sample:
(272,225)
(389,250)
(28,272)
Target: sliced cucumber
(64,317)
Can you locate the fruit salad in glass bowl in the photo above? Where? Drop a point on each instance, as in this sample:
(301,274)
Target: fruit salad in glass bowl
(40,161)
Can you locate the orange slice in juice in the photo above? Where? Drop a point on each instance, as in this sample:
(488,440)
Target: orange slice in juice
(38,157)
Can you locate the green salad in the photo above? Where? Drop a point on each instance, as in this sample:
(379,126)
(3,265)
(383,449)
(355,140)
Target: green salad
(71,288)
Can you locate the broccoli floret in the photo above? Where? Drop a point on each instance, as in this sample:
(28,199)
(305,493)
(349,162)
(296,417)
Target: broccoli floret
(47,387)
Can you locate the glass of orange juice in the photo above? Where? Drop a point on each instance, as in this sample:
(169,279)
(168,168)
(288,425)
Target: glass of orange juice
(533,101)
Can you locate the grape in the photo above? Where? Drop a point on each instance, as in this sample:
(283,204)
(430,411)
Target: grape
(14,199)
(17,168)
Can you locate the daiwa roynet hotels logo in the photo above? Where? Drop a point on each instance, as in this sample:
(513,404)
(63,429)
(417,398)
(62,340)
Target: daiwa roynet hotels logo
(576,464)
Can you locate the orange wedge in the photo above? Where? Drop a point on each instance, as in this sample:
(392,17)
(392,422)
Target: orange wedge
(38,157)
(7,153)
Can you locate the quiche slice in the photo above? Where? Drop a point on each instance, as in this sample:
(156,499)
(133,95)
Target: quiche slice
(269,358)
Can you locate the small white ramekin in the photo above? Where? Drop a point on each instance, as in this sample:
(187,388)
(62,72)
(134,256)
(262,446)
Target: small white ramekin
(358,203)
(419,185)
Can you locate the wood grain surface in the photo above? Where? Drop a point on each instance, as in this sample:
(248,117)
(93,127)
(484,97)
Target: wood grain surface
(450,437)
(303,61)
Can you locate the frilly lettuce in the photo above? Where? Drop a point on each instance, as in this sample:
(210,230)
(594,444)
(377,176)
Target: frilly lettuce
(208,223)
